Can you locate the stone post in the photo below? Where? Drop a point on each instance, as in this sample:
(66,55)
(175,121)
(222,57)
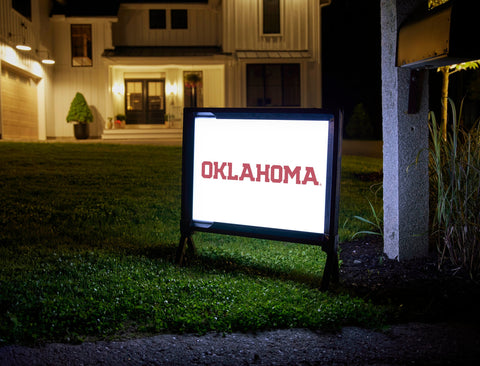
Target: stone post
(405,136)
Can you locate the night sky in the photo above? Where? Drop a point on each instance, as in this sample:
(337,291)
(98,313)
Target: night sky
(351,58)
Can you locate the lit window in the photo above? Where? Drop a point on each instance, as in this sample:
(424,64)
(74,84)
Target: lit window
(81,44)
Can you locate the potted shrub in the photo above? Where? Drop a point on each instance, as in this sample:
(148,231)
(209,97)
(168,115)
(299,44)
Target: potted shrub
(120,121)
(81,115)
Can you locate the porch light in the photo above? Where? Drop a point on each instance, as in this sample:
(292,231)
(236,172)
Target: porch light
(118,88)
(172,89)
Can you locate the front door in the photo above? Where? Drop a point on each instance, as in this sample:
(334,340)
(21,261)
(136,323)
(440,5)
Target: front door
(145,101)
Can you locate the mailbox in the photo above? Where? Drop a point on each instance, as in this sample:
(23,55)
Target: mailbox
(443,36)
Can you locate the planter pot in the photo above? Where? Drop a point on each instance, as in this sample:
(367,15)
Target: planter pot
(81,131)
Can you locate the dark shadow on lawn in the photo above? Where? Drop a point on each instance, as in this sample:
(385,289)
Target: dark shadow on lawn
(229,264)
(223,263)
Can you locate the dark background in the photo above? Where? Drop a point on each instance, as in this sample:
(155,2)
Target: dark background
(352,73)
(351,59)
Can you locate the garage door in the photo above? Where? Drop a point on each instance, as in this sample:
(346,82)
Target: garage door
(19,118)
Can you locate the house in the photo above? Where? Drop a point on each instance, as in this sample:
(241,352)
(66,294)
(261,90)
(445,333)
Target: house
(147,60)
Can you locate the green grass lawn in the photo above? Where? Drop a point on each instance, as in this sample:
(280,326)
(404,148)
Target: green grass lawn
(87,245)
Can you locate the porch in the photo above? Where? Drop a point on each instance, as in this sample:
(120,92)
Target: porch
(158,133)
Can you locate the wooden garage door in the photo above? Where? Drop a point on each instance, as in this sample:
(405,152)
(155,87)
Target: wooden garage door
(19,105)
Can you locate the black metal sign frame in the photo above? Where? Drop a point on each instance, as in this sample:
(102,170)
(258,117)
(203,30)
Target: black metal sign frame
(327,240)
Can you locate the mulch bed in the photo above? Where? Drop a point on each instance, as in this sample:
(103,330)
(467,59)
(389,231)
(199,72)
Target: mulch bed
(420,290)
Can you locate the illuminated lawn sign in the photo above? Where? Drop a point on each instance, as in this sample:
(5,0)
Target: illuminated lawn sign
(264,173)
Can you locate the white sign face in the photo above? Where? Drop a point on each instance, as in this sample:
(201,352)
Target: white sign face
(265,173)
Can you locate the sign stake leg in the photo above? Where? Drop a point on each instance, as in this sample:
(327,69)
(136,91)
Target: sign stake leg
(331,272)
(185,247)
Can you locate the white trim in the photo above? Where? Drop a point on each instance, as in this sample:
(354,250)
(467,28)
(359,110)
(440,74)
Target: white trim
(41,110)
(165,61)
(83,20)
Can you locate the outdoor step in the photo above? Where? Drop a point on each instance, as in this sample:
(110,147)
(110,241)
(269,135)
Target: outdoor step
(143,133)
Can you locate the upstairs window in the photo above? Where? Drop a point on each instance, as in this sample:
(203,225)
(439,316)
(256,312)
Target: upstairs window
(24,7)
(158,19)
(271,18)
(81,45)
(179,18)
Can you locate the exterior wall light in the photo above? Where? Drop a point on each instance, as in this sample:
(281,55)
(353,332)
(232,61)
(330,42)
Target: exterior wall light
(172,89)
(46,60)
(118,89)
(22,46)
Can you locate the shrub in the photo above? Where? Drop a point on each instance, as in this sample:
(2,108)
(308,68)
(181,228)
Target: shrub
(359,125)
(455,181)
(79,110)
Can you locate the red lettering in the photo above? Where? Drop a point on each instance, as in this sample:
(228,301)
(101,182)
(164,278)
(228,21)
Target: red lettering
(274,173)
(310,176)
(230,176)
(206,164)
(219,170)
(261,172)
(292,174)
(279,178)
(247,172)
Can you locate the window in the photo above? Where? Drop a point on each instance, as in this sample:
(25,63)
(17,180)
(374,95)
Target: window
(179,18)
(273,85)
(24,7)
(158,19)
(81,44)
(271,17)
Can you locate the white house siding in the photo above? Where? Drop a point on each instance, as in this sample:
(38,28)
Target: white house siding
(133,29)
(213,87)
(91,81)
(298,42)
(245,33)
(36,32)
